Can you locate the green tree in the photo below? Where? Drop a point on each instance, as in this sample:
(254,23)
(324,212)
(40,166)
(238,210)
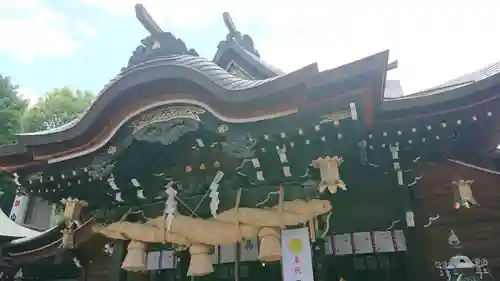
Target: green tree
(11,109)
(56,108)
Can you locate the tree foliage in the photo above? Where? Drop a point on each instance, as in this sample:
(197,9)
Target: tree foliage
(56,108)
(11,109)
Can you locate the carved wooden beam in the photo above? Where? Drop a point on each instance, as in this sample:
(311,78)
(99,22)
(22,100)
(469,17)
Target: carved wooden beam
(228,21)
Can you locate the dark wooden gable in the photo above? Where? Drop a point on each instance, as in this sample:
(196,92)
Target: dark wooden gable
(238,71)
(237,54)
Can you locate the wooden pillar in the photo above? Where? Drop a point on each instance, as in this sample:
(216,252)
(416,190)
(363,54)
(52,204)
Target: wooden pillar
(182,266)
(237,262)
(414,221)
(136,276)
(116,273)
(319,259)
(84,262)
(417,267)
(405,185)
(82,276)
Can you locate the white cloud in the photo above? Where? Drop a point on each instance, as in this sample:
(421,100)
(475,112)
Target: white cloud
(29,94)
(35,30)
(434,41)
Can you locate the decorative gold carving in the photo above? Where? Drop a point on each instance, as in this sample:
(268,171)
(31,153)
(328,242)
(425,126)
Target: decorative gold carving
(335,117)
(167,114)
(222,129)
(35,177)
(462,194)
(329,173)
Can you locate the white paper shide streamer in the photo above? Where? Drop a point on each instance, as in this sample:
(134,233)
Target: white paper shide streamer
(15,179)
(170,205)
(111,182)
(214,193)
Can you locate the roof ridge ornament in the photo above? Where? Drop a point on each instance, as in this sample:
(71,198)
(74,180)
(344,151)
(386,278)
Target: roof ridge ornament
(158,44)
(233,34)
(228,21)
(146,20)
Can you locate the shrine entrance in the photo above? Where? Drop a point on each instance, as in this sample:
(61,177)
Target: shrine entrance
(248,271)
(367,267)
(379,266)
(174,268)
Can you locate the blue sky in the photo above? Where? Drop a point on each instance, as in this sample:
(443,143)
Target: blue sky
(99,44)
(84,43)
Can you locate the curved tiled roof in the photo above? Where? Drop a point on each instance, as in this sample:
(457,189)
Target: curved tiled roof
(461,81)
(469,78)
(214,80)
(254,60)
(455,88)
(209,70)
(243,45)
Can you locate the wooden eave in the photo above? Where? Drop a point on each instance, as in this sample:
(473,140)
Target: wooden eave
(469,107)
(77,137)
(46,244)
(203,82)
(445,97)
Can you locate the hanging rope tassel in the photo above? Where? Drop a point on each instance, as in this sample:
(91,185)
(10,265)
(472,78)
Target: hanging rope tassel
(269,237)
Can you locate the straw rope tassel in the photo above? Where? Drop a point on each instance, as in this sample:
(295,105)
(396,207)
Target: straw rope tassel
(269,237)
